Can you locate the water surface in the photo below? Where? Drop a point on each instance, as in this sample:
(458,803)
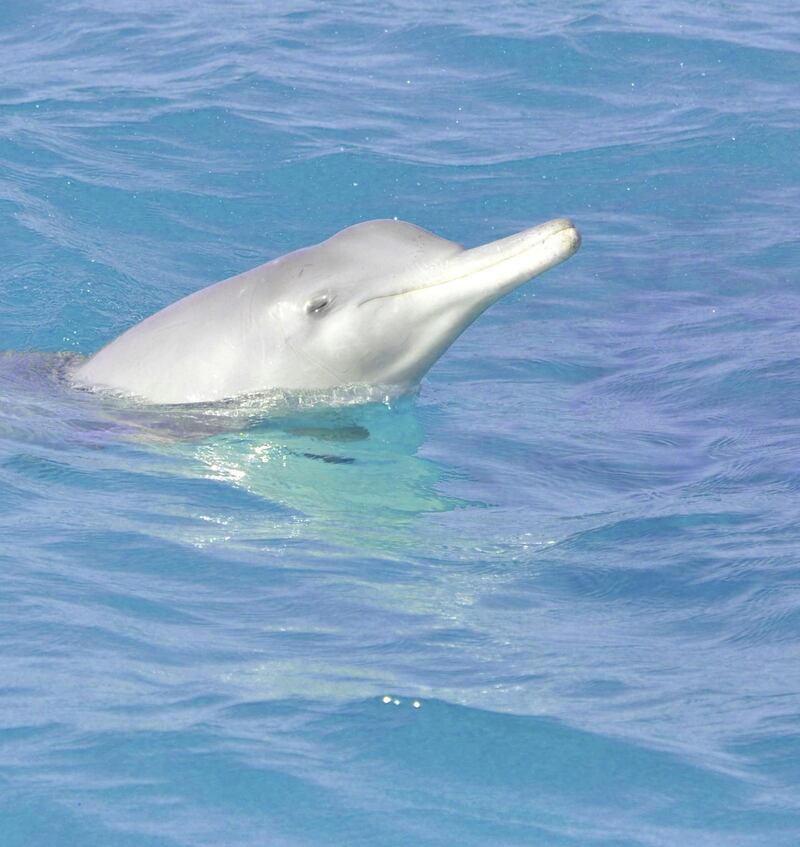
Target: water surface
(576,549)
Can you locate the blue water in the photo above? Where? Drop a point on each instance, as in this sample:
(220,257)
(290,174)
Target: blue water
(578,549)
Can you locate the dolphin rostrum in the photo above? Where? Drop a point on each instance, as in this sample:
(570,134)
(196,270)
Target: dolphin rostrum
(375,305)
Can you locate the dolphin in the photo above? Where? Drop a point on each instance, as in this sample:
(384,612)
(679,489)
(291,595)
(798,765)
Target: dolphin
(375,305)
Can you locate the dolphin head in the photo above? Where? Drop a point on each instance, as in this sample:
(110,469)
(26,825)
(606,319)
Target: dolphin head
(375,305)
(380,302)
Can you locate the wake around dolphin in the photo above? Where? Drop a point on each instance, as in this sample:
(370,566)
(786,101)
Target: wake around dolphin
(375,305)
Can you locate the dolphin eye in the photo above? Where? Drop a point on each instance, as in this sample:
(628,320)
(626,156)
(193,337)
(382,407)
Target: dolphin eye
(317,305)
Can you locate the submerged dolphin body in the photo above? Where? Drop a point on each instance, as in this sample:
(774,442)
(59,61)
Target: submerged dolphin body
(377,304)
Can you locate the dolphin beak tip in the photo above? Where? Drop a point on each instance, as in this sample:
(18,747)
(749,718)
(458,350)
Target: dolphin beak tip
(576,239)
(565,228)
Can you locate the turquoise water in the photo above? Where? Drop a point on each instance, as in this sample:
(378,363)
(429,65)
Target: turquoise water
(576,549)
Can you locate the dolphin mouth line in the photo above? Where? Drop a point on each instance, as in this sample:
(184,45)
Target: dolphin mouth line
(567,225)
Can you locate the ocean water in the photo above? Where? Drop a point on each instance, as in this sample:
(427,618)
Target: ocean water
(571,563)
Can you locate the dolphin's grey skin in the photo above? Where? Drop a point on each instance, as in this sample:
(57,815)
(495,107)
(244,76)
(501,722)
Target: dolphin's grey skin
(377,304)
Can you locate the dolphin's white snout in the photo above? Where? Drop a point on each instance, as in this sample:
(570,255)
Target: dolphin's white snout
(487,272)
(437,302)
(513,260)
